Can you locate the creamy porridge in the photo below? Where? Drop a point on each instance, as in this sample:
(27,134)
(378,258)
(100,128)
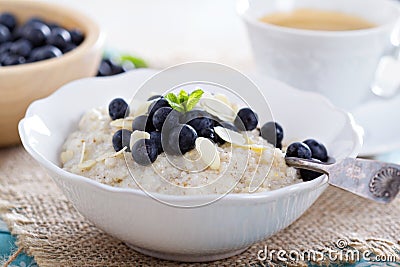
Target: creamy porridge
(230,156)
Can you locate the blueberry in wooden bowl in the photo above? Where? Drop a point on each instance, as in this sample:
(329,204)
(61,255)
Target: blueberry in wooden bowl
(42,47)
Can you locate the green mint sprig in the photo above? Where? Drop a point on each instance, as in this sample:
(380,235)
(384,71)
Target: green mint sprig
(183,102)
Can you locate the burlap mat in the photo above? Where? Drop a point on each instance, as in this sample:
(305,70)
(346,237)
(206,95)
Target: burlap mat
(50,229)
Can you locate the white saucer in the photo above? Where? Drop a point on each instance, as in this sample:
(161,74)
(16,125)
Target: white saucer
(380,120)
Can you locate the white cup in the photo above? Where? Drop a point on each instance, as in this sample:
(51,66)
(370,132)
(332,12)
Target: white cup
(338,64)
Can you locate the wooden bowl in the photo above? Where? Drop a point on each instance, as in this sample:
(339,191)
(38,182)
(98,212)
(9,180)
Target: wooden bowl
(22,84)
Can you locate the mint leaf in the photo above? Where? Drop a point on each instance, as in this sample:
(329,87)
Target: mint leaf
(184,102)
(173,101)
(193,99)
(171,98)
(178,107)
(137,62)
(183,96)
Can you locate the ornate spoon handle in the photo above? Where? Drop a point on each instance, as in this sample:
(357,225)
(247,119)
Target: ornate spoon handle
(371,179)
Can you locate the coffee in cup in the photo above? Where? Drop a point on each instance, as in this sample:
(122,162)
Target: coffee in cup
(317,19)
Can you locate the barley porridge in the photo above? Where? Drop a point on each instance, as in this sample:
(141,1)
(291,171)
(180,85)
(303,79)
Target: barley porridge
(213,152)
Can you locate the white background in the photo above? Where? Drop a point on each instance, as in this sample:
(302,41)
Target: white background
(167,32)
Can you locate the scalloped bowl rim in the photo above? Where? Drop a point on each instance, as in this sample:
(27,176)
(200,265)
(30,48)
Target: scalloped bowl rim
(316,183)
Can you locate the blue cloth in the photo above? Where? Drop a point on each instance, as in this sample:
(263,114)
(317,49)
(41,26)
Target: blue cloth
(8,247)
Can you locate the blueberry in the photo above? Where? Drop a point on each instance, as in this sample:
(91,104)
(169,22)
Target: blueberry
(179,140)
(127,66)
(59,37)
(246,120)
(5,47)
(172,120)
(76,36)
(10,60)
(115,67)
(21,47)
(36,33)
(104,69)
(272,132)
(187,138)
(53,25)
(142,123)
(144,152)
(5,34)
(45,52)
(69,47)
(201,123)
(219,140)
(121,139)
(318,150)
(207,133)
(156,136)
(194,114)
(308,175)
(118,108)
(3,56)
(33,20)
(162,102)
(298,150)
(279,145)
(198,119)
(154,97)
(160,116)
(8,20)
(17,33)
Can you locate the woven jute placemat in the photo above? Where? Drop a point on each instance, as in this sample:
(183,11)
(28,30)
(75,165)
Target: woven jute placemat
(51,230)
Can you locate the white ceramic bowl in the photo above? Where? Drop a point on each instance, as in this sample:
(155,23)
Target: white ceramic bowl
(210,232)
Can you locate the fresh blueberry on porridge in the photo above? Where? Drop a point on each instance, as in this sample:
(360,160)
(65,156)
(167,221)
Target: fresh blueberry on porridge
(117,108)
(273,133)
(121,139)
(318,150)
(298,150)
(308,149)
(246,119)
(160,116)
(186,143)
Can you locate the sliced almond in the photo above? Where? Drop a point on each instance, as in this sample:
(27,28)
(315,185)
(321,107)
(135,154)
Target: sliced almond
(122,123)
(116,154)
(208,153)
(105,156)
(87,165)
(238,139)
(83,151)
(111,154)
(223,98)
(231,136)
(66,156)
(136,135)
(217,108)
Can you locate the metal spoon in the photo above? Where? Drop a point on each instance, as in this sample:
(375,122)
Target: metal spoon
(375,180)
